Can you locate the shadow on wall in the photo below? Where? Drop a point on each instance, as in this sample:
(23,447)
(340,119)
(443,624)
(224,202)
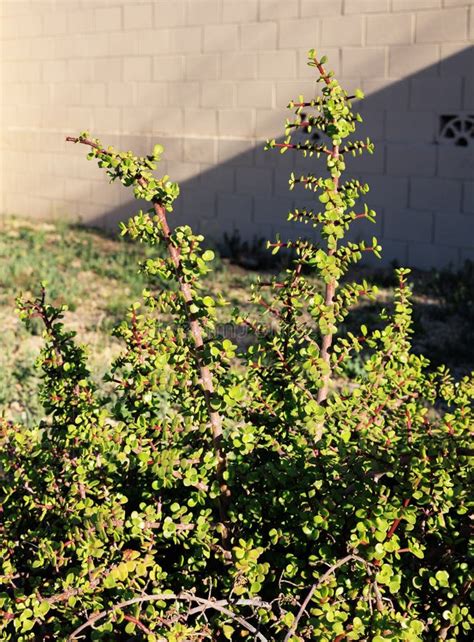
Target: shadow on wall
(421,174)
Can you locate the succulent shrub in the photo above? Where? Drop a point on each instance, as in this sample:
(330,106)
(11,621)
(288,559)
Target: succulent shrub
(221,494)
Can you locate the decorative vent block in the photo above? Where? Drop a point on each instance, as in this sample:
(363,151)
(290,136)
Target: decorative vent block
(456,129)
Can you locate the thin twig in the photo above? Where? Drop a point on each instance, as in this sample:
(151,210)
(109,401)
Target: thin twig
(315,587)
(220,606)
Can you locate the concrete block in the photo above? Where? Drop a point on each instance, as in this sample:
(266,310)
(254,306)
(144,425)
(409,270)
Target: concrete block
(138,119)
(120,93)
(37,49)
(387,191)
(272,211)
(21,50)
(366,6)
(413,5)
(151,42)
(435,194)
(442,26)
(152,93)
(299,34)
(89,45)
(39,94)
(108,18)
(238,66)
(278,9)
(431,92)
(468,100)
(372,125)
(254,181)
(258,35)
(217,228)
(53,71)
(221,37)
(167,121)
(217,94)
(465,254)
(240,12)
(93,94)
(281,187)
(411,160)
(120,46)
(138,143)
(183,93)
(408,225)
(367,62)
(204,12)
(238,153)
(364,230)
(169,13)
(137,16)
(168,67)
(393,253)
(278,64)
(198,205)
(16,93)
(200,150)
(270,123)
(200,122)
(455,162)
(202,67)
(454,229)
(234,212)
(107,69)
(30,115)
(321,8)
(255,94)
(428,256)
(63,47)
(80,20)
(217,175)
(367,163)
(173,147)
(185,39)
(287,90)
(389,29)
(10,24)
(78,118)
(383,95)
(30,27)
(107,119)
(407,60)
(457,59)
(236,122)
(468,197)
(137,69)
(343,30)
(182,171)
(411,126)
(54,23)
(101,194)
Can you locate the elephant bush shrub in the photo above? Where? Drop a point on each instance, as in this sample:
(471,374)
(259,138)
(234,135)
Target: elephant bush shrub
(219,493)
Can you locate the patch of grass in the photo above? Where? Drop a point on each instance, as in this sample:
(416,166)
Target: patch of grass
(97,277)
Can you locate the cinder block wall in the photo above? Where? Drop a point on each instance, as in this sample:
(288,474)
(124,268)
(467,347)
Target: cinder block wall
(210,79)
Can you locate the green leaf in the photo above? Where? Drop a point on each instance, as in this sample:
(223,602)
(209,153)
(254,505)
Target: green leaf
(208,255)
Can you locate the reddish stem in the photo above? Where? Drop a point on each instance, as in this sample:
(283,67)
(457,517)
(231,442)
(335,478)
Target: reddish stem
(197,337)
(396,521)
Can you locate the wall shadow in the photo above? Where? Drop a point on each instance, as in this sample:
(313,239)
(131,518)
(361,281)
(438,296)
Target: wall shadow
(421,174)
